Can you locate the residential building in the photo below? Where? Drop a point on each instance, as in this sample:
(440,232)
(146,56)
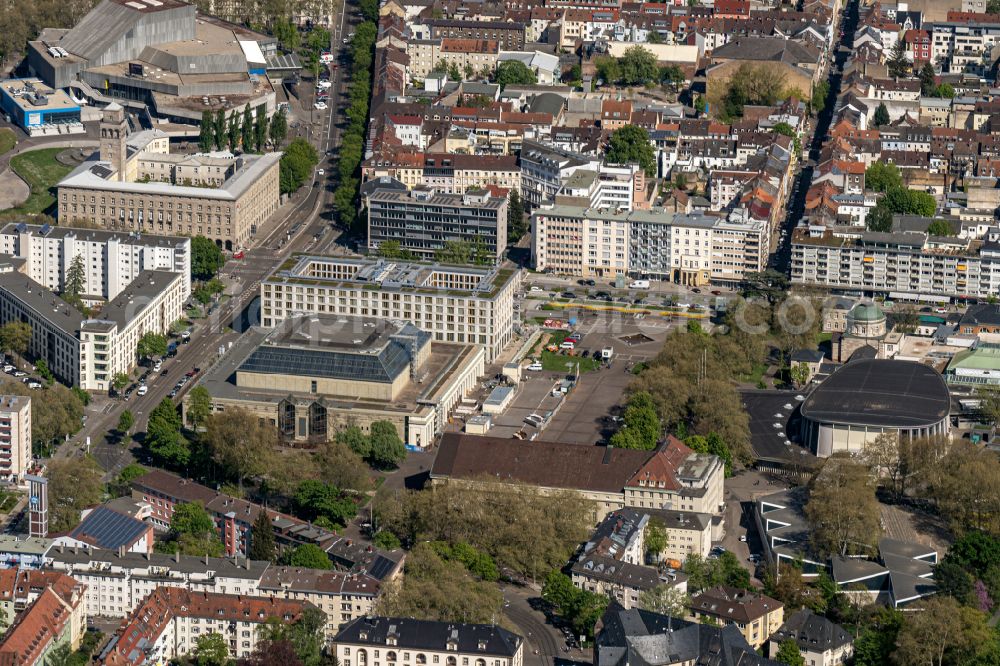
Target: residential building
(23,552)
(456,304)
(445,172)
(314,374)
(169,622)
(134,184)
(89,351)
(410,642)
(628,636)
(545,167)
(111,259)
(671,477)
(15,438)
(688,532)
(344,597)
(756,615)
(104,527)
(622,581)
(900,265)
(821,642)
(19,588)
(510,34)
(55,618)
(423,220)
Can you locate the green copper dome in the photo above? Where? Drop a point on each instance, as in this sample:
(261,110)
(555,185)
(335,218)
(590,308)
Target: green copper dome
(867,311)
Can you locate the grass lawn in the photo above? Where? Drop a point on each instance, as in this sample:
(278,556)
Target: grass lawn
(41,172)
(556,362)
(7,140)
(756,374)
(823,337)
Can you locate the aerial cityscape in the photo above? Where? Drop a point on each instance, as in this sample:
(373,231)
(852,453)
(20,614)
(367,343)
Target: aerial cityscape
(521,333)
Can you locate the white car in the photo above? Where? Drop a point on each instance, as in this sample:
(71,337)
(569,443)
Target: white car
(320,106)
(323,84)
(185,335)
(142,390)
(8,368)
(157,366)
(20,373)
(567,344)
(346,40)
(34,385)
(535,289)
(320,172)
(535,367)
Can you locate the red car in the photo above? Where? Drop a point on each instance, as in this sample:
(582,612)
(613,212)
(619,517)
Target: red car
(239,255)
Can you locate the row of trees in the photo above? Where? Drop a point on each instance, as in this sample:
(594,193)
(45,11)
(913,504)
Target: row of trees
(249,132)
(345,198)
(636,67)
(297,164)
(381,448)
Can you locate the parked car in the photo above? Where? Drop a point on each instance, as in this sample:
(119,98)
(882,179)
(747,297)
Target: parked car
(143,390)
(535,367)
(157,366)
(34,385)
(20,373)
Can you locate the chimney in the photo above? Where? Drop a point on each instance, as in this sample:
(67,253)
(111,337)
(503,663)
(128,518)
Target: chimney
(177,555)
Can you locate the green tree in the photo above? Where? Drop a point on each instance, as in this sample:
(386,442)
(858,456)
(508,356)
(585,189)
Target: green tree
(897,63)
(386,540)
(879,219)
(940,228)
(125,422)
(882,176)
(240,443)
(15,336)
(789,653)
(151,345)
(387,449)
(582,608)
(608,69)
(314,499)
(199,405)
(641,427)
(206,258)
(297,163)
(219,129)
(353,437)
(246,130)
(517,226)
(656,539)
(666,600)
(211,650)
(76,277)
(309,556)
(638,66)
(799,374)
(842,511)
(751,84)
(206,131)
(513,72)
(673,76)
(262,546)
(192,532)
(454,73)
(121,485)
(279,127)
(260,126)
(877,640)
(42,366)
(163,435)
(74,484)
(819,97)
(233,132)
(784,128)
(286,32)
(928,80)
(631,144)
(119,381)
(881,116)
(909,202)
(454,252)
(945,91)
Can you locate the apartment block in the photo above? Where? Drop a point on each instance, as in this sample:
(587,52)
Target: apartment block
(692,249)
(15,437)
(169,622)
(464,304)
(111,259)
(89,351)
(445,172)
(422,220)
(52,617)
(906,265)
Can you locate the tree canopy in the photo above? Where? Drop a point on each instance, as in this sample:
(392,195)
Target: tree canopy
(514,72)
(297,163)
(206,258)
(631,144)
(842,511)
(192,532)
(74,485)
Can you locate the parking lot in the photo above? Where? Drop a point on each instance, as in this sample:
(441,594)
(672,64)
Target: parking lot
(581,416)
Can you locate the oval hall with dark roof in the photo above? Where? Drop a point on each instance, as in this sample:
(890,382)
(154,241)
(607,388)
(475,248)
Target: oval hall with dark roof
(866,398)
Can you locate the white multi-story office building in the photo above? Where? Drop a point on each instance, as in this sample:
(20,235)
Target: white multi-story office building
(111,259)
(15,437)
(464,304)
(692,249)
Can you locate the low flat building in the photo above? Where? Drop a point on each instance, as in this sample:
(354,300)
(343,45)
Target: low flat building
(134,184)
(756,615)
(821,642)
(88,352)
(15,437)
(423,220)
(38,109)
(464,304)
(313,375)
(111,259)
(169,622)
(672,476)
(407,641)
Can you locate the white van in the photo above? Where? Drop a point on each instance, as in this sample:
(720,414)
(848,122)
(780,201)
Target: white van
(535,367)
(157,365)
(567,344)
(142,390)
(639,284)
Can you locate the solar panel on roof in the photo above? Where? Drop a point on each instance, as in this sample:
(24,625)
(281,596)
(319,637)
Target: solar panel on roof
(381,567)
(383,367)
(46,228)
(21,227)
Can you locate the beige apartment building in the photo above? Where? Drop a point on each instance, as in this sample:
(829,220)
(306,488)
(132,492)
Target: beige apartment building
(134,184)
(426,54)
(15,437)
(458,304)
(445,172)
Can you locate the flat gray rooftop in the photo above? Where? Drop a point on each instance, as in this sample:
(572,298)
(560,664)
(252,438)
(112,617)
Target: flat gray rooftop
(91,235)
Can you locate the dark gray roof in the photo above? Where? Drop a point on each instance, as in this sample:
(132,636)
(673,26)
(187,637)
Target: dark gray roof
(547,103)
(808,356)
(880,392)
(777,49)
(429,635)
(982,314)
(105,528)
(850,569)
(812,632)
(641,638)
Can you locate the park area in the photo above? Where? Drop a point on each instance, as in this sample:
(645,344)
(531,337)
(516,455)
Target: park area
(7,140)
(41,171)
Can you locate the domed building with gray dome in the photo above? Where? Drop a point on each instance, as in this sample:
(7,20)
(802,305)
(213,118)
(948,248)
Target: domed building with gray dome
(866,333)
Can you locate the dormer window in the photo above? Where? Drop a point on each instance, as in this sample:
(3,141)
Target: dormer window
(452,645)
